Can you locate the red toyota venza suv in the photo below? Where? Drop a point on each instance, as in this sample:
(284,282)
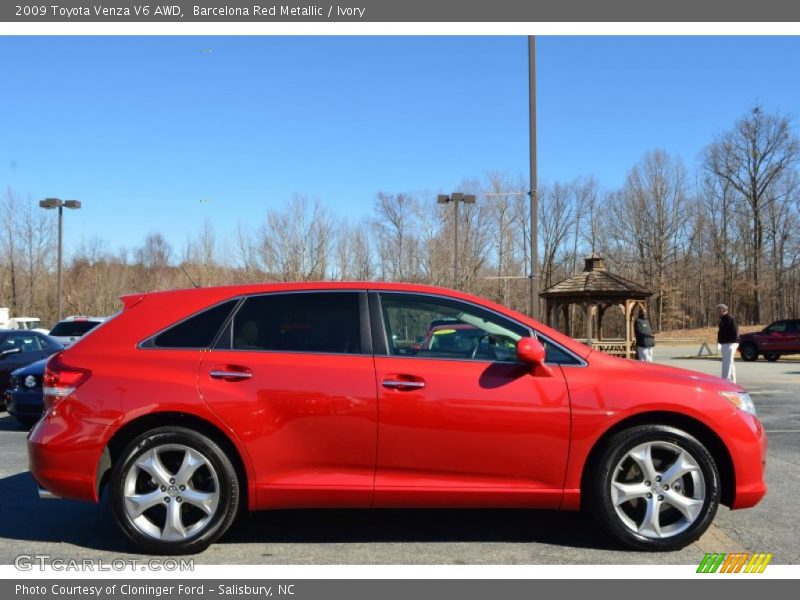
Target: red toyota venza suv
(190,405)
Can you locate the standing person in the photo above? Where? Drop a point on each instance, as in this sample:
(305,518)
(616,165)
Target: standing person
(728,340)
(644,337)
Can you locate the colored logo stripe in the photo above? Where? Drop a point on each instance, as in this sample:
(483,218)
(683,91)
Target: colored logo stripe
(734,563)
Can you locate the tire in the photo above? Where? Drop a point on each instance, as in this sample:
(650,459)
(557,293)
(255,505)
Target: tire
(772,356)
(27,422)
(626,520)
(149,471)
(748,352)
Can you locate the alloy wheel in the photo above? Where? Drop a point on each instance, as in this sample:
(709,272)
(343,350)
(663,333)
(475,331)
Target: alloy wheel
(658,489)
(171,492)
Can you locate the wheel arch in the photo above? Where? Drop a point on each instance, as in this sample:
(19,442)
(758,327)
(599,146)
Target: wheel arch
(749,344)
(130,430)
(690,425)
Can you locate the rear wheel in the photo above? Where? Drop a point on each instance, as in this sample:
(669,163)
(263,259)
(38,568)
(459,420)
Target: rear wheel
(748,352)
(657,488)
(174,491)
(772,356)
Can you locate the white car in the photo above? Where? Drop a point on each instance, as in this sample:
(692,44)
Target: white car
(27,323)
(69,330)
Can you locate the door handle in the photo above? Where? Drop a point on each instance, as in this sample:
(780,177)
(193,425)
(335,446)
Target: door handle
(400,384)
(224,374)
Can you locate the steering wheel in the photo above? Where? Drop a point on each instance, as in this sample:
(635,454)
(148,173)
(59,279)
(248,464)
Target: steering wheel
(478,341)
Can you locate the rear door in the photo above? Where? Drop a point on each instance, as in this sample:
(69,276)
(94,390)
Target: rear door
(293,375)
(793,331)
(461,422)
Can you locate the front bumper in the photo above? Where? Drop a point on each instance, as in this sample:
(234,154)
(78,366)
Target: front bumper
(25,403)
(749,455)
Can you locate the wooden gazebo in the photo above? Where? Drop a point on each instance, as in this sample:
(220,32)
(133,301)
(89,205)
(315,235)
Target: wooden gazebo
(595,290)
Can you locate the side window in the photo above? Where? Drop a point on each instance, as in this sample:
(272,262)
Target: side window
(26,342)
(777,327)
(198,331)
(794,327)
(45,343)
(555,355)
(429,327)
(299,322)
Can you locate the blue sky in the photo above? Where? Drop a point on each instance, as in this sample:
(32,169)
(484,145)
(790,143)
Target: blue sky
(162,133)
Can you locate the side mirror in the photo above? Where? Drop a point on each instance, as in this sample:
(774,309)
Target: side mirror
(8,351)
(531,352)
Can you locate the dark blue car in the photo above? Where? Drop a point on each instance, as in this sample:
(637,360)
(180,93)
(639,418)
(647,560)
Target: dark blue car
(24,398)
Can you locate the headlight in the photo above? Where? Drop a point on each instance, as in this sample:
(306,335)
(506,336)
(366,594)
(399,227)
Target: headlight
(740,400)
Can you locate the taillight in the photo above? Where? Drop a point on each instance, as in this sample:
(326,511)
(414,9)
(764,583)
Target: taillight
(60,380)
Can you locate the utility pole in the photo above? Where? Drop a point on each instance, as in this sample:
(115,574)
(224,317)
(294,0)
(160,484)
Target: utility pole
(455,198)
(534,177)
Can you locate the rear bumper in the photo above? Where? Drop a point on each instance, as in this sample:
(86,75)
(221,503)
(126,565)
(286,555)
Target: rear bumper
(63,454)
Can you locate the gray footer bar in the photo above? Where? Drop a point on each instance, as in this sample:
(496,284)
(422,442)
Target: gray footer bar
(385,589)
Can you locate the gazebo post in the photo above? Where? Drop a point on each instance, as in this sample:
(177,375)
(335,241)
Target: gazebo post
(601,311)
(628,328)
(588,309)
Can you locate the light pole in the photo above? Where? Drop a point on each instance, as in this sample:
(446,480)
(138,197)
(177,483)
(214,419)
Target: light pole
(455,198)
(534,183)
(50,203)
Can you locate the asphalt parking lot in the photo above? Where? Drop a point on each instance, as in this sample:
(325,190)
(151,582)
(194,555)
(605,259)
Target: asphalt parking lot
(74,530)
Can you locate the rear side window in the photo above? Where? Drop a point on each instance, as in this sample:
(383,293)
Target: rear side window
(198,331)
(26,342)
(73,328)
(304,322)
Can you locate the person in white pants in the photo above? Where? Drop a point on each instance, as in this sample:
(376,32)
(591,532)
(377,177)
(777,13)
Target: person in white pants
(728,341)
(728,366)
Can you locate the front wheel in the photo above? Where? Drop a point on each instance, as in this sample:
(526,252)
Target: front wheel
(657,488)
(772,356)
(174,491)
(748,352)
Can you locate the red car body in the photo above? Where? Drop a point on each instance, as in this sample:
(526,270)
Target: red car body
(318,430)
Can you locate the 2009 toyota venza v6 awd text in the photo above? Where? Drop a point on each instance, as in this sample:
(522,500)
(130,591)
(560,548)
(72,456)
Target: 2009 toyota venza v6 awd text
(193,404)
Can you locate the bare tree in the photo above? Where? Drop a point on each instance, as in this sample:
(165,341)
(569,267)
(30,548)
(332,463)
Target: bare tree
(650,215)
(296,242)
(557,215)
(8,244)
(751,157)
(394,226)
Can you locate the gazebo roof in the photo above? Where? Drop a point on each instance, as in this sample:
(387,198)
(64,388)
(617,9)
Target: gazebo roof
(595,282)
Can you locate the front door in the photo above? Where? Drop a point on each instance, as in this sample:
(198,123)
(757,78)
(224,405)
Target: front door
(461,422)
(777,337)
(293,376)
